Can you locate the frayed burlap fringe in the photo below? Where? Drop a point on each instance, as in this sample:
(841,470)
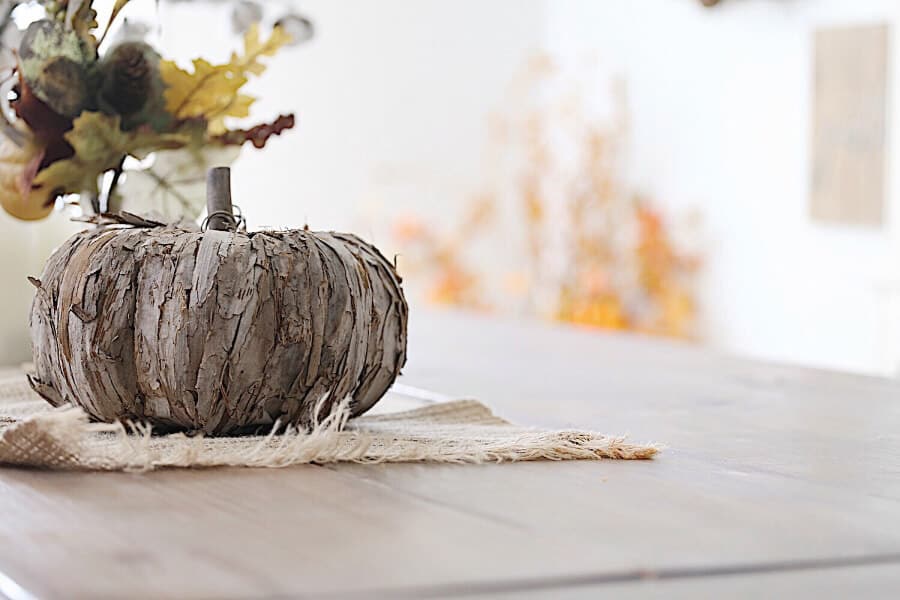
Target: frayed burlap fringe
(465,431)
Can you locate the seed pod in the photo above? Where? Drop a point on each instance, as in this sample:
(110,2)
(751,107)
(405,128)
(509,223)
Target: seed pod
(55,65)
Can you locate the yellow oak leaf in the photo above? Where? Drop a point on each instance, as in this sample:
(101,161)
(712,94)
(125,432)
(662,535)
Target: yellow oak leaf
(254,48)
(239,108)
(16,195)
(212,91)
(208,91)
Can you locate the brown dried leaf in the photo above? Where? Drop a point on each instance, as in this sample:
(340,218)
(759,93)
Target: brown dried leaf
(258,135)
(17,166)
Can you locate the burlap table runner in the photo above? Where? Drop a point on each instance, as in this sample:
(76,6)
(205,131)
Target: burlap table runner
(32,434)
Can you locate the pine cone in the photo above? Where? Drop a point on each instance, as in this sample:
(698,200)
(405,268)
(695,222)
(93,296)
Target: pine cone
(130,71)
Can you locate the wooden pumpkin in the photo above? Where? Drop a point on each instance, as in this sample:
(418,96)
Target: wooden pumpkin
(217,331)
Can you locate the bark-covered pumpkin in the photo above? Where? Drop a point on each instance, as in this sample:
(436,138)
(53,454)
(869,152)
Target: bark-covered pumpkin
(217,331)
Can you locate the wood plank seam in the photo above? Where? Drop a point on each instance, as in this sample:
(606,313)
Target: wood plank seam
(461,590)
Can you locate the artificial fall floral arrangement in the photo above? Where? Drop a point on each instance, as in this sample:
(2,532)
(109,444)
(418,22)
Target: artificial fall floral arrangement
(76,113)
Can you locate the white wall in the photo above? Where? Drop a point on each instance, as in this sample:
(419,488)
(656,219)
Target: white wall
(391,96)
(721,110)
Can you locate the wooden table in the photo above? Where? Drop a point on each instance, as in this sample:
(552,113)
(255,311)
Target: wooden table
(777,481)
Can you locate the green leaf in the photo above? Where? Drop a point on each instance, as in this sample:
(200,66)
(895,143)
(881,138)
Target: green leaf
(82,18)
(100,145)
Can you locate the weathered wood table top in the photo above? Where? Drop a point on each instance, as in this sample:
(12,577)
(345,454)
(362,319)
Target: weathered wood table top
(776,481)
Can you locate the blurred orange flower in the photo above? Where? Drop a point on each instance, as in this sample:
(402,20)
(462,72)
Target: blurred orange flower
(603,256)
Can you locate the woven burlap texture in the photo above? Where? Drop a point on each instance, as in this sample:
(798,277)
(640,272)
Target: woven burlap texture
(32,434)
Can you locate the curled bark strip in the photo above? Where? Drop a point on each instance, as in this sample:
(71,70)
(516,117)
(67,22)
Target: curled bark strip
(216,331)
(119,218)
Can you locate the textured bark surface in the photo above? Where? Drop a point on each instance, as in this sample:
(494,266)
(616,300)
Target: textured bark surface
(216,331)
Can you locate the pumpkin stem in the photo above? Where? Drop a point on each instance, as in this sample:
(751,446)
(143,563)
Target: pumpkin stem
(220,215)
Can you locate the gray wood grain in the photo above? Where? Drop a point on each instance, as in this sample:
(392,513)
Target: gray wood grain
(767,468)
(870,582)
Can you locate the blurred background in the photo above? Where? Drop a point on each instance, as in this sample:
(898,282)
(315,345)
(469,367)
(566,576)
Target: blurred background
(717,172)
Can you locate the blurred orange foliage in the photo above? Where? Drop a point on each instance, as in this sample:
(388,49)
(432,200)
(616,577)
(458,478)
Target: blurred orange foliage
(601,254)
